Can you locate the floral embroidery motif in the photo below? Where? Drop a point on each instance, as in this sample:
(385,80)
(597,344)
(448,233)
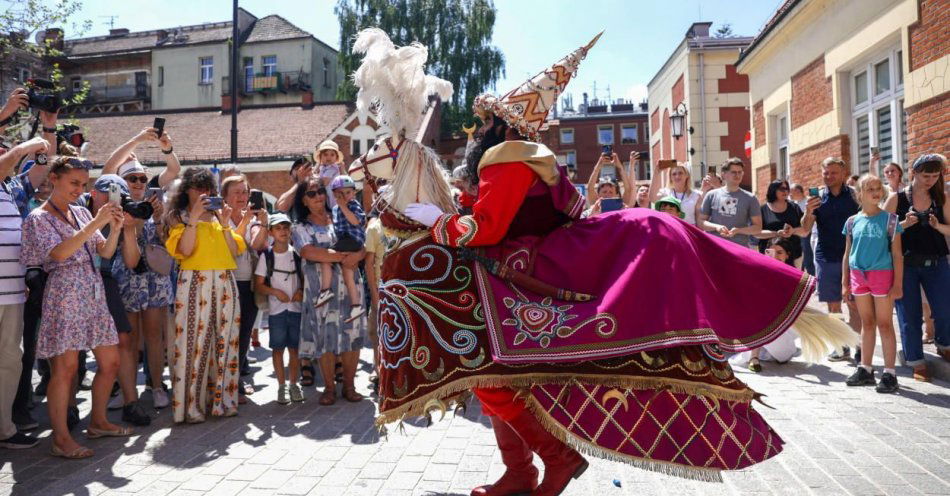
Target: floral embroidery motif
(538,321)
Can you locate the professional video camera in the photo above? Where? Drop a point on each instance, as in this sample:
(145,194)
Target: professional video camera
(72,134)
(43,95)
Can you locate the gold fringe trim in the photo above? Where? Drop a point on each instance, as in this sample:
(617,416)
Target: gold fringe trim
(417,407)
(704,474)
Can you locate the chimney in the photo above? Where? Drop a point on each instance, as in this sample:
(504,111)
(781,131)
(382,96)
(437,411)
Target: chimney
(118,32)
(699,30)
(54,36)
(161,36)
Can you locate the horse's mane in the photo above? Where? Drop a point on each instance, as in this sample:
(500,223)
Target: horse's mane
(419,161)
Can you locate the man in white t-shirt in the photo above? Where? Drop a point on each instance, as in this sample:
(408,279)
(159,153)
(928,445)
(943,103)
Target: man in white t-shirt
(280,277)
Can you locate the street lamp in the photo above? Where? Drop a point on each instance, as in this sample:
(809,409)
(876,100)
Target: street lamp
(678,120)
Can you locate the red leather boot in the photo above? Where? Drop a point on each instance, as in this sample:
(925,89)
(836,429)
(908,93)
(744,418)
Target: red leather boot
(561,462)
(521,476)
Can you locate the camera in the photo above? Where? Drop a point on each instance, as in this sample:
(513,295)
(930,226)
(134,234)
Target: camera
(43,95)
(214,203)
(137,209)
(72,134)
(922,217)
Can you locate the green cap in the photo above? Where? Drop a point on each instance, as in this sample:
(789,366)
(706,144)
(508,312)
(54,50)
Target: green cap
(670,200)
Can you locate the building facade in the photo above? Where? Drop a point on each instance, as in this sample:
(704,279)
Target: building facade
(188,67)
(699,80)
(845,78)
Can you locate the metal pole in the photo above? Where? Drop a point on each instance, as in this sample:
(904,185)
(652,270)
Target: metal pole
(233,83)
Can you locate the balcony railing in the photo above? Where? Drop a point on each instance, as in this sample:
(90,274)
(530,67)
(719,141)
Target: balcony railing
(283,82)
(112,94)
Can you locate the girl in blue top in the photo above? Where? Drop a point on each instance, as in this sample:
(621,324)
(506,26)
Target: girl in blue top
(873,252)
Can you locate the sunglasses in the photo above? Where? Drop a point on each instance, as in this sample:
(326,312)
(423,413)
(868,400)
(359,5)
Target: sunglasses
(136,179)
(314,192)
(80,164)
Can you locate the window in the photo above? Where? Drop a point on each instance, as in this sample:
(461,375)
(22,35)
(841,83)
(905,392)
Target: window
(900,69)
(567,136)
(878,112)
(161,75)
(781,144)
(23,75)
(571,159)
(628,134)
(605,135)
(269,63)
(326,73)
(355,146)
(248,74)
(76,84)
(207,69)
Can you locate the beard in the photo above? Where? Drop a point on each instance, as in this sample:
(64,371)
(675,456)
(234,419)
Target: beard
(480,144)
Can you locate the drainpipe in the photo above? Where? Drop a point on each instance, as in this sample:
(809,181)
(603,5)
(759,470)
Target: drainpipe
(702,112)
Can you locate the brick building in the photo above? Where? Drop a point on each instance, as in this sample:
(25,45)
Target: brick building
(838,78)
(700,80)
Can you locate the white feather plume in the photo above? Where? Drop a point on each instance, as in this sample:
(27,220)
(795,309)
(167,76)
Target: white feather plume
(392,81)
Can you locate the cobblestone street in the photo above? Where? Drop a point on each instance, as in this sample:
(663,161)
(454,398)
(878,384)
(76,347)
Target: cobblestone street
(838,441)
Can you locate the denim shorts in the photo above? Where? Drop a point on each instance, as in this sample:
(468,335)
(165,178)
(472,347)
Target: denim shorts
(829,281)
(284,330)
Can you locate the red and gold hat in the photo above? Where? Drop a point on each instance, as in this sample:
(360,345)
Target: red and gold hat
(526,107)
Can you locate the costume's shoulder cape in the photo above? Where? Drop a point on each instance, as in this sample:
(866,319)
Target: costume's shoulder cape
(535,155)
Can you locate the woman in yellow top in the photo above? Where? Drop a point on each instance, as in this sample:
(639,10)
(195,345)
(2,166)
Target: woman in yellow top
(205,361)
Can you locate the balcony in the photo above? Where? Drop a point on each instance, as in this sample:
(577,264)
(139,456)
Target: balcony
(116,94)
(283,82)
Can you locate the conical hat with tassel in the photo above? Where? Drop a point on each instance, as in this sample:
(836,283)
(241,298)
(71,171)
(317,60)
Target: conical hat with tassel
(526,107)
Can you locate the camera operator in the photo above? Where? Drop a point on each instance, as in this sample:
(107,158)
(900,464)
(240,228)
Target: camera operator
(126,152)
(15,194)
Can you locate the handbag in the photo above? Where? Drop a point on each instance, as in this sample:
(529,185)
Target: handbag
(158,259)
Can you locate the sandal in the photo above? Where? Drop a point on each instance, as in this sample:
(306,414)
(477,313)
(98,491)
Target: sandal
(76,454)
(329,396)
(306,375)
(754,366)
(93,433)
(356,311)
(323,298)
(350,394)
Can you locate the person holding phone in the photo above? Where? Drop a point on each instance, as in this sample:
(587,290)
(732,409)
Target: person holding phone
(731,212)
(146,294)
(607,187)
(126,152)
(781,218)
(249,223)
(924,213)
(678,186)
(205,359)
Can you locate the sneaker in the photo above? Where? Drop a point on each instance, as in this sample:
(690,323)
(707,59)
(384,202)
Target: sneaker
(134,414)
(24,421)
(888,383)
(116,403)
(323,298)
(159,398)
(282,395)
(840,356)
(18,441)
(860,377)
(296,394)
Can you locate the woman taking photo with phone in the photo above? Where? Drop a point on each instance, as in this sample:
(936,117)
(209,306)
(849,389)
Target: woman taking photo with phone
(247,221)
(205,364)
(64,239)
(923,210)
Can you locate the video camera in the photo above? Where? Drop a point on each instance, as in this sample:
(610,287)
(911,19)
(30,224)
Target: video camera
(72,134)
(43,95)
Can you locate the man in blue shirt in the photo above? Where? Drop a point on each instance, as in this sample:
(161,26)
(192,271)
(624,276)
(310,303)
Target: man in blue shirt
(830,210)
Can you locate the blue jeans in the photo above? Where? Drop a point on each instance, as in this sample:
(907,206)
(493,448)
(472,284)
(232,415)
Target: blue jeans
(936,282)
(808,256)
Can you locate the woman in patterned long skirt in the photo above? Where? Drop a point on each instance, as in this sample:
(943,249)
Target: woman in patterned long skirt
(205,359)
(325,334)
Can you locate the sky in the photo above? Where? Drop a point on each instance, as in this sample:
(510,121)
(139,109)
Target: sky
(639,34)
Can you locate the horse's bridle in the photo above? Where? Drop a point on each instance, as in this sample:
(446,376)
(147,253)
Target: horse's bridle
(364,163)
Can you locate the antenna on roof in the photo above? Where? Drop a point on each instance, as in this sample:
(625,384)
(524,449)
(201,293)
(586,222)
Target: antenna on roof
(111,21)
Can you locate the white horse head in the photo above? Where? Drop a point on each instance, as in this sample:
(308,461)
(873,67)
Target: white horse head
(393,83)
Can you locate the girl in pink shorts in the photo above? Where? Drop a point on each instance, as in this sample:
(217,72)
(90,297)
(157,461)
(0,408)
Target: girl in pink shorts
(873,252)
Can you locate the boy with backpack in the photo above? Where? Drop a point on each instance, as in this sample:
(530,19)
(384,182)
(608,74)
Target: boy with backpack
(279,276)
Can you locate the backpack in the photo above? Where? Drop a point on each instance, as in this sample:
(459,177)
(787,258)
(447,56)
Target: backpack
(891,226)
(268,255)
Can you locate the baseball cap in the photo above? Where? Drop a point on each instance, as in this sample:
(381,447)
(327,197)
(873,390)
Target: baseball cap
(278,218)
(342,182)
(104,181)
(670,200)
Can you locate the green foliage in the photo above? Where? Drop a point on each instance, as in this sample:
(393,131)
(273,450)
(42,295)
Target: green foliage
(724,31)
(457,33)
(18,25)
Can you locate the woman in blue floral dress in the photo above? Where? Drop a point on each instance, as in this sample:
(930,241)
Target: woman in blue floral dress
(324,334)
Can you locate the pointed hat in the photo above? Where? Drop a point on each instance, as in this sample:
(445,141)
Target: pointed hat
(526,107)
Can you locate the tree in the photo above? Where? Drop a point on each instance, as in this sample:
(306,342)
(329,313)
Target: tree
(18,24)
(457,32)
(724,31)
